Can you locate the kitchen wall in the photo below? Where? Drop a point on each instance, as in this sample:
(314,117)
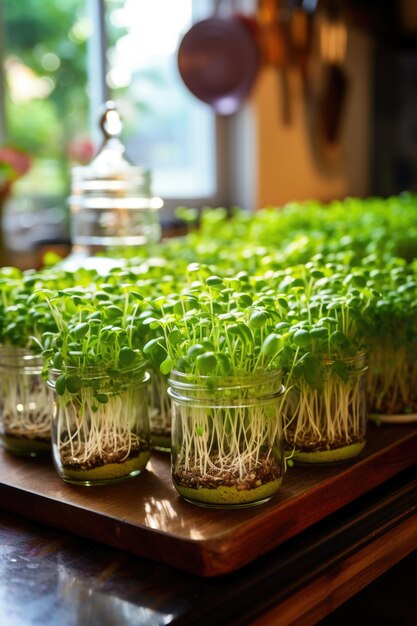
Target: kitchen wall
(285,164)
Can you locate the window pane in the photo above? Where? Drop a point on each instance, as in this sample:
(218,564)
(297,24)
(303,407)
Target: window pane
(46,101)
(167,130)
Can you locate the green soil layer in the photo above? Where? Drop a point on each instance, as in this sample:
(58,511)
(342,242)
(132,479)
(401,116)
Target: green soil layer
(229,497)
(398,418)
(337,455)
(25,446)
(161,442)
(108,473)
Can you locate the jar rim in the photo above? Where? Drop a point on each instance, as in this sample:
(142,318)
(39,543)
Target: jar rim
(143,379)
(249,379)
(26,356)
(223,402)
(329,358)
(98,370)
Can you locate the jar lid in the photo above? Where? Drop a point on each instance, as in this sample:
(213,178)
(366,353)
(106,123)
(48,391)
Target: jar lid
(110,171)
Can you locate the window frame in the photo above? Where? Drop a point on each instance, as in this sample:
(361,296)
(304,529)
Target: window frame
(99,93)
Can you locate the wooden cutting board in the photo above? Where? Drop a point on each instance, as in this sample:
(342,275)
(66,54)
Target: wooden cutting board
(145,516)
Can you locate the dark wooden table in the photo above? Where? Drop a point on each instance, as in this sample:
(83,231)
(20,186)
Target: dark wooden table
(51,577)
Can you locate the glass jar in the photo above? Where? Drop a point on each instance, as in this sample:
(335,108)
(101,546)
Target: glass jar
(100,431)
(25,403)
(391,384)
(326,423)
(227,443)
(159,412)
(111,204)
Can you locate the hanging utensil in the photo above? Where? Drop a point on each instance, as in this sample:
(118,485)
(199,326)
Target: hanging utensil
(274,47)
(333,43)
(218,61)
(328,91)
(300,35)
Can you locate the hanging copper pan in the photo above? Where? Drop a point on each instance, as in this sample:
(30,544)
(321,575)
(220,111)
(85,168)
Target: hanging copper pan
(218,61)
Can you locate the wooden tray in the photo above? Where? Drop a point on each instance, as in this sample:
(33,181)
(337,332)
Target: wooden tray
(145,516)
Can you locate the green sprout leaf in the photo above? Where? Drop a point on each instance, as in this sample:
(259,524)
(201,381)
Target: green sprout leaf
(338,338)
(174,337)
(302,338)
(319,333)
(341,369)
(258,318)
(214,281)
(206,363)
(272,345)
(166,366)
(127,356)
(74,383)
(61,385)
(81,330)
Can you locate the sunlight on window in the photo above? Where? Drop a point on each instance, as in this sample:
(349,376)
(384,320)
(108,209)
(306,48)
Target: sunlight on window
(153,30)
(167,129)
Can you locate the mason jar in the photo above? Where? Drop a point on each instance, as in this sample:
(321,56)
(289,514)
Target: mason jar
(391,383)
(100,430)
(25,403)
(227,442)
(159,412)
(326,423)
(113,208)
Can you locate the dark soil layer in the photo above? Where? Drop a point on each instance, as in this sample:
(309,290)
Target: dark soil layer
(25,436)
(27,446)
(161,440)
(99,459)
(266,471)
(310,444)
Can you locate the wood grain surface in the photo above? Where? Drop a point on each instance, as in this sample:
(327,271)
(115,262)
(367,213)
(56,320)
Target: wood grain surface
(338,584)
(145,516)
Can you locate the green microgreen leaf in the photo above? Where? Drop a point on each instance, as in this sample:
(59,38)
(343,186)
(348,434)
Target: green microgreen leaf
(74,383)
(127,356)
(206,363)
(61,385)
(166,366)
(302,338)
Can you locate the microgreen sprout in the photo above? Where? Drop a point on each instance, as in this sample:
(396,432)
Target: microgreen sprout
(98,373)
(26,403)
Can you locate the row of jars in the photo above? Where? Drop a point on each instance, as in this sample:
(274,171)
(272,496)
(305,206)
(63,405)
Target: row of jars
(228,437)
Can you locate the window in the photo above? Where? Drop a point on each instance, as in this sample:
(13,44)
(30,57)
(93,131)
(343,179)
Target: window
(167,129)
(62,60)
(45,109)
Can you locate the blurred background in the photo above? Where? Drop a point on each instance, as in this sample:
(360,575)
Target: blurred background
(330,113)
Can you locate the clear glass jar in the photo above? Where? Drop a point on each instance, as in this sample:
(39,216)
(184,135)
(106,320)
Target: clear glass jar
(391,384)
(25,403)
(227,443)
(111,203)
(159,412)
(100,433)
(327,423)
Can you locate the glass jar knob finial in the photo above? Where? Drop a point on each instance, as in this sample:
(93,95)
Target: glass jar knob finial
(110,121)
(111,202)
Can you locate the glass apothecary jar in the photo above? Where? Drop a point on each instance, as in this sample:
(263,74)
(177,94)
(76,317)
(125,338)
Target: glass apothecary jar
(111,203)
(159,411)
(326,422)
(25,403)
(100,427)
(227,442)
